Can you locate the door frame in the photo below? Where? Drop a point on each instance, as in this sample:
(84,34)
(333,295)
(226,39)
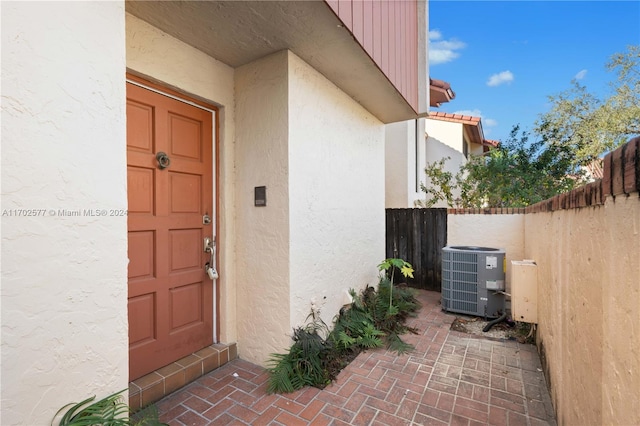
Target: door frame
(215,111)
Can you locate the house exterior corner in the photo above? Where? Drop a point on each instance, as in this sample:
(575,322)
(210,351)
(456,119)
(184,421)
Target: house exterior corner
(299,126)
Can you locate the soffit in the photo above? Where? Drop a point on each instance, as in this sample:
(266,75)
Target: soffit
(239,32)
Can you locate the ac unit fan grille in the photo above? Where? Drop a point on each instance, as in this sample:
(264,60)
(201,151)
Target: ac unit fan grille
(460,281)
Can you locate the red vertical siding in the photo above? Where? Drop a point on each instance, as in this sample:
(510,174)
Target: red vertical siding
(334,4)
(377,35)
(345,13)
(393,45)
(368,27)
(358,21)
(385,38)
(388,31)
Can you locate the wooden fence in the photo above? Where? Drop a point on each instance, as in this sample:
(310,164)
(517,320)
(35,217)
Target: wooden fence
(417,236)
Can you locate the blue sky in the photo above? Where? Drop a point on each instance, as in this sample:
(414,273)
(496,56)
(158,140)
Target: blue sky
(504,58)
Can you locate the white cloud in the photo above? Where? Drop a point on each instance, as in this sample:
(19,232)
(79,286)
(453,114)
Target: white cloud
(500,78)
(490,122)
(472,112)
(434,35)
(486,122)
(582,74)
(442,51)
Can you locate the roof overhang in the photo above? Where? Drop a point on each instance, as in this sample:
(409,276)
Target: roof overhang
(440,92)
(239,32)
(472,125)
(487,144)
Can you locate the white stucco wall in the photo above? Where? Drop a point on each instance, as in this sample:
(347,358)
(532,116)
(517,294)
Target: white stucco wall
(262,114)
(446,132)
(405,160)
(437,149)
(505,231)
(160,57)
(336,190)
(64,278)
(398,156)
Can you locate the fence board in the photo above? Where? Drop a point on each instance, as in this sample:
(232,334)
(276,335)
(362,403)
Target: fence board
(417,236)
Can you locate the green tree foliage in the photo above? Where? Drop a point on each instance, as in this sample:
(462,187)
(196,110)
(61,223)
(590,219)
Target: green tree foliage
(442,184)
(517,173)
(588,125)
(578,128)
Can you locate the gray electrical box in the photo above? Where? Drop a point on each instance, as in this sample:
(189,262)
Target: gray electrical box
(473,280)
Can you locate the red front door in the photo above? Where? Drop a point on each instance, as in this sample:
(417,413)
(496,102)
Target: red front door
(169,159)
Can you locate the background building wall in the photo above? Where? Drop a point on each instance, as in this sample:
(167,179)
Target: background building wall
(400,163)
(64,269)
(444,139)
(336,193)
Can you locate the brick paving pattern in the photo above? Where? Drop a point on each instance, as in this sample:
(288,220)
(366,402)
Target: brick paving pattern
(449,379)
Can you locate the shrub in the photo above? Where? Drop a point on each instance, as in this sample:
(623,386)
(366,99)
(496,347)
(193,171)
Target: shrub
(317,355)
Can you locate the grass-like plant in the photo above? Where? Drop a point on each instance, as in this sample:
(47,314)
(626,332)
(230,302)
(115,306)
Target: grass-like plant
(109,411)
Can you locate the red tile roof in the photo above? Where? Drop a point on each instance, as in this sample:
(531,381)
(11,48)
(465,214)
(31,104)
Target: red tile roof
(594,168)
(439,92)
(456,118)
(472,125)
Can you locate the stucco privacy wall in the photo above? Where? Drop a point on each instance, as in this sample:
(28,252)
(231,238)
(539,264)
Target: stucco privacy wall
(160,57)
(64,276)
(589,308)
(262,232)
(504,231)
(336,192)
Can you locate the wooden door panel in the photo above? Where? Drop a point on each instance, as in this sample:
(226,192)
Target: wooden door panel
(140,183)
(142,319)
(170,295)
(188,135)
(185,249)
(141,255)
(182,187)
(140,136)
(186,306)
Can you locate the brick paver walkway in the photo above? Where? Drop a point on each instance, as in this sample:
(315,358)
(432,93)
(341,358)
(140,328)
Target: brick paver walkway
(449,379)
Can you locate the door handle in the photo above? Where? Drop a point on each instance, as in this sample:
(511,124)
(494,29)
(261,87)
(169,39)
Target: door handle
(210,247)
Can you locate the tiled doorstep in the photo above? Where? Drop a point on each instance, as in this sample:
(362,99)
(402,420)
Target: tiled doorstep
(160,383)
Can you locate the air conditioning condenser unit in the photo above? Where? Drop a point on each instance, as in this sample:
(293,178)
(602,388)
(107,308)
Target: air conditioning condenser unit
(473,280)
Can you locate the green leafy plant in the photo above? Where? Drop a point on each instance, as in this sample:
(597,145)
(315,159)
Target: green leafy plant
(391,322)
(373,319)
(303,365)
(391,264)
(109,411)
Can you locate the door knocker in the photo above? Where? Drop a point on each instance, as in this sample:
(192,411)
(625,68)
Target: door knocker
(163,160)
